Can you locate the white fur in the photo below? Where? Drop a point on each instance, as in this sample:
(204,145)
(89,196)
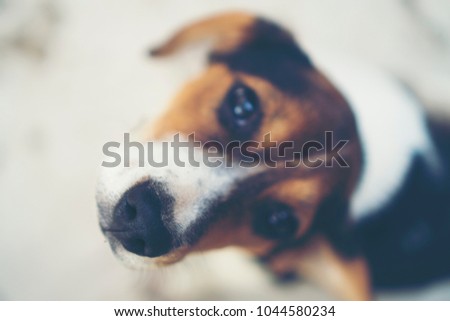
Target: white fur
(193,188)
(392,127)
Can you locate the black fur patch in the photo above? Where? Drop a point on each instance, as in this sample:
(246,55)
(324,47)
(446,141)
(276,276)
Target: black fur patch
(407,242)
(271,53)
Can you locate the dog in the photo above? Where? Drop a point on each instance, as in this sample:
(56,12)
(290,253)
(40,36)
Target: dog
(379,220)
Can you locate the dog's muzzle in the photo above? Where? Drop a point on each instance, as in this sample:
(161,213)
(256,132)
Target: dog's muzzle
(148,212)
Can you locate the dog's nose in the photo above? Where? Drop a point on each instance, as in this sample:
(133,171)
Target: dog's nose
(137,222)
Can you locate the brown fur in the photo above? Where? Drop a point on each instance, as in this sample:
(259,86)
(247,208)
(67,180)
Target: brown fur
(288,117)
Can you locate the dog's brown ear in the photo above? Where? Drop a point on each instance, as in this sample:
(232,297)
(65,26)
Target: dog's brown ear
(224,30)
(318,261)
(248,44)
(232,32)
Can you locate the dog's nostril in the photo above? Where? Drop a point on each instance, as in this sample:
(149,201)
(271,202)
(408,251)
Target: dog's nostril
(130,212)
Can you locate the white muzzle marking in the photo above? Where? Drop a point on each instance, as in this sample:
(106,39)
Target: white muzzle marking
(193,188)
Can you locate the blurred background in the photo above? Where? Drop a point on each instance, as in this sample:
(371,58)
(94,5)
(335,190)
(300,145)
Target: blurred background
(75,74)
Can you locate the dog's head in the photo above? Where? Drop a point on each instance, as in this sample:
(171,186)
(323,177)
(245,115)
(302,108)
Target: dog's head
(260,92)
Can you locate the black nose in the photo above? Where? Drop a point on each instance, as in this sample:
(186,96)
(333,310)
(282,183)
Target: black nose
(137,222)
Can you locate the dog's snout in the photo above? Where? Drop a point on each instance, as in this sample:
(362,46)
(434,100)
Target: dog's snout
(137,222)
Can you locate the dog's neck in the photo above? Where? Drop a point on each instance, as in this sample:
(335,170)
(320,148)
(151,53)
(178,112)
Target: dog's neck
(392,127)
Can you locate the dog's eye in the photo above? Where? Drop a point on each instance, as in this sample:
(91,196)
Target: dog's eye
(240,111)
(244,104)
(275,221)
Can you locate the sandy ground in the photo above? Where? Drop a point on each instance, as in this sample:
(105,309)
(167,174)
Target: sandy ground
(74,75)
